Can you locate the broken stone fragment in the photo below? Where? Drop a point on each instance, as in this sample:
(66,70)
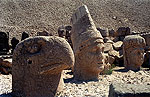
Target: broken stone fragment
(115,39)
(14,42)
(109,59)
(147,39)
(114,53)
(108,40)
(146,63)
(108,47)
(104,32)
(123,31)
(129,90)
(5,66)
(43,33)
(24,35)
(4,43)
(118,45)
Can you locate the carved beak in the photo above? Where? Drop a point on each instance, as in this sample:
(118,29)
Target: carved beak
(57,67)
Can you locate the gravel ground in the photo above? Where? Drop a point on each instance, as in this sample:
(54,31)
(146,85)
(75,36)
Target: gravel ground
(98,88)
(5,84)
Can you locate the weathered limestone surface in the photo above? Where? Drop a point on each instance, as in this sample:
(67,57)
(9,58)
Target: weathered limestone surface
(104,32)
(37,66)
(118,45)
(5,66)
(133,51)
(123,31)
(147,39)
(108,47)
(88,46)
(129,90)
(42,33)
(14,42)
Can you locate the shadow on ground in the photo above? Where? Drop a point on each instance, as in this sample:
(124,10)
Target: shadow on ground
(7,95)
(72,80)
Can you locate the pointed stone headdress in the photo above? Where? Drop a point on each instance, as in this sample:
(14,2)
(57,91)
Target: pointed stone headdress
(84,30)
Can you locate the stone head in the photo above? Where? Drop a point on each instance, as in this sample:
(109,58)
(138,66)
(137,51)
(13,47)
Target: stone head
(38,63)
(88,45)
(133,49)
(90,55)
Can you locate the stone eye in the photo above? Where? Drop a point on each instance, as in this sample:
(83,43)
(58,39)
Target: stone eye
(34,49)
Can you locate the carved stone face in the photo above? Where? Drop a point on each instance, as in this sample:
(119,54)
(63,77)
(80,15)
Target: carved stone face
(92,56)
(136,56)
(133,51)
(88,46)
(37,66)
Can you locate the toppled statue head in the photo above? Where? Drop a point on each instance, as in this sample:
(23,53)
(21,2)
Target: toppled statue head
(37,66)
(133,51)
(88,46)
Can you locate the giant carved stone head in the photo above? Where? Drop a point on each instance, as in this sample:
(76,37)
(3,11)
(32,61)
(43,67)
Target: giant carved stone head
(133,51)
(88,46)
(37,66)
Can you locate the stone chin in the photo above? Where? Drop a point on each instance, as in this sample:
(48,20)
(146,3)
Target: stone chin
(100,67)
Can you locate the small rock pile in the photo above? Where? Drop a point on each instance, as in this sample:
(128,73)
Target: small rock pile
(100,88)
(113,41)
(5,66)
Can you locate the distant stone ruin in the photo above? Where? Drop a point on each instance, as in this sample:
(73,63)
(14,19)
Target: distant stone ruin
(88,46)
(43,33)
(65,32)
(4,42)
(14,42)
(24,35)
(37,66)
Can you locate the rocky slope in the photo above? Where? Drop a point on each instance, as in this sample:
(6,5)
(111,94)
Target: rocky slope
(35,15)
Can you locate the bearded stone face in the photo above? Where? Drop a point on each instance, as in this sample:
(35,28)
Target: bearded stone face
(89,60)
(136,56)
(92,56)
(88,46)
(133,51)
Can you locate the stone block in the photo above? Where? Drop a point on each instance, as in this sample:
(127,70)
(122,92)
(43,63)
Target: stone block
(129,90)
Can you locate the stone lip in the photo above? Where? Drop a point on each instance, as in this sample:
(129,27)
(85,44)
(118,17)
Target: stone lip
(129,90)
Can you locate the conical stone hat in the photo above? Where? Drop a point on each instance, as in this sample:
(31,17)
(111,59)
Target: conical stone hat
(83,29)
